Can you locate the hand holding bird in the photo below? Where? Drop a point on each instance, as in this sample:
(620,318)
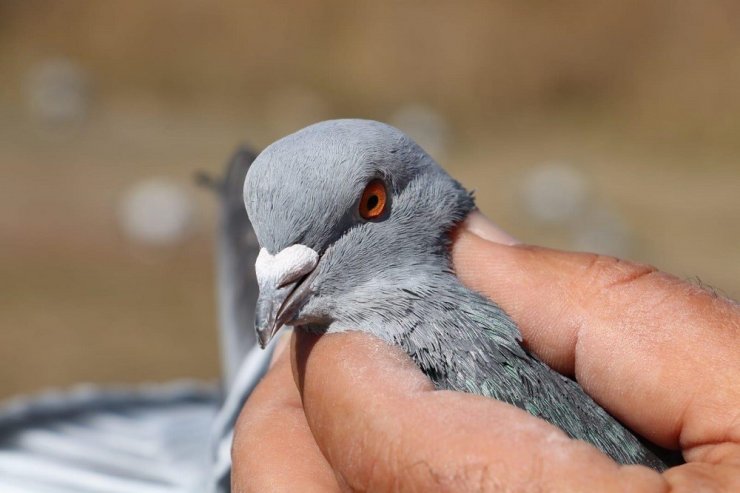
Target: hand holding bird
(659,353)
(359,232)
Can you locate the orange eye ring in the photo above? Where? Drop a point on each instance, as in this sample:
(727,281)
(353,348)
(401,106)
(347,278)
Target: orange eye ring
(374,200)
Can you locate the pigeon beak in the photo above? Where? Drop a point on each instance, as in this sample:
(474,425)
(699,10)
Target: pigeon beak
(266,317)
(284,280)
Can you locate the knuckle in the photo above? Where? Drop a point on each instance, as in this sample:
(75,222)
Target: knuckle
(495,477)
(468,476)
(379,461)
(481,478)
(603,272)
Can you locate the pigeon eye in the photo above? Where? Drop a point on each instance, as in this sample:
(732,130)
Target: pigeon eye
(373,201)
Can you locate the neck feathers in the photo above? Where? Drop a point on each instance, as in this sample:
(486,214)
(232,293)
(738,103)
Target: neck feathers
(459,333)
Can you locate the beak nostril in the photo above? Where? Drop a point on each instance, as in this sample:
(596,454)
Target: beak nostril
(286,266)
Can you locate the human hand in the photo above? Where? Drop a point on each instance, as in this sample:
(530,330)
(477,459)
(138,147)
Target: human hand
(347,412)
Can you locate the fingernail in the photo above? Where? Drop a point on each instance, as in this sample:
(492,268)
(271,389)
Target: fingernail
(481,226)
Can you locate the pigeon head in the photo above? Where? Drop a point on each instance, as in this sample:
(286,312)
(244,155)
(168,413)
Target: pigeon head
(352,217)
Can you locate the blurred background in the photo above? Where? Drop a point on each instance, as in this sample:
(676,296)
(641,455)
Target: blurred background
(589,125)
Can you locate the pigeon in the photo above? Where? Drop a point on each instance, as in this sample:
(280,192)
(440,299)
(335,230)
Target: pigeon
(236,253)
(353,220)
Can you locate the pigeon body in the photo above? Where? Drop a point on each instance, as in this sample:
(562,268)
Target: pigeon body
(335,259)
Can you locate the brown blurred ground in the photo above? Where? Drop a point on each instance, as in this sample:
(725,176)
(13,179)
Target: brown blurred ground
(641,99)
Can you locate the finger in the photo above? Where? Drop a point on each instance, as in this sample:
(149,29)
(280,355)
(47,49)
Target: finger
(382,427)
(283,343)
(658,353)
(273,447)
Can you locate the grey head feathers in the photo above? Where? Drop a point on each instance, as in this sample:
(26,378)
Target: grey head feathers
(391,276)
(304,188)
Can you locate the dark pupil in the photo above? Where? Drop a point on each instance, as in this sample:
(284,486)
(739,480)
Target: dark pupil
(372,201)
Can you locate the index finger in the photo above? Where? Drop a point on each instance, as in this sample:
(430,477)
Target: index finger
(660,354)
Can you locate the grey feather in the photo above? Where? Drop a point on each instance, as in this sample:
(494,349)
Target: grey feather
(166,438)
(235,256)
(148,439)
(392,277)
